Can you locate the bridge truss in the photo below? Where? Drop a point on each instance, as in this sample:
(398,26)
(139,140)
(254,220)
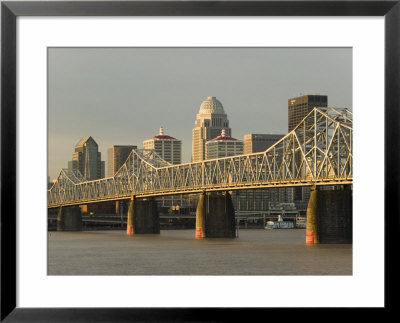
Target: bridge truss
(317,152)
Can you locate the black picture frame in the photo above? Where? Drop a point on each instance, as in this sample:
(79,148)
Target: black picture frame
(11,10)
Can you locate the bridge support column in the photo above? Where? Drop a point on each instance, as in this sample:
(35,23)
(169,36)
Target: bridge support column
(215,216)
(69,219)
(311,226)
(60,224)
(329,216)
(129,221)
(143,217)
(200,216)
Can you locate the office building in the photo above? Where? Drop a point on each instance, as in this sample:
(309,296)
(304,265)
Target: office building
(167,147)
(117,156)
(260,200)
(254,143)
(87,159)
(299,107)
(223,146)
(210,121)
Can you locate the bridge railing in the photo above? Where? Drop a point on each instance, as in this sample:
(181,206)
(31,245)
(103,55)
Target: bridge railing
(318,151)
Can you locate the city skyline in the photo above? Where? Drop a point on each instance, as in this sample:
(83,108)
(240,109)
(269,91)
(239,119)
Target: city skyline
(123,96)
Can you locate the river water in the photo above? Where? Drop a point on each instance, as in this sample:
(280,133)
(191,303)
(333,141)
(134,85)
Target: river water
(177,252)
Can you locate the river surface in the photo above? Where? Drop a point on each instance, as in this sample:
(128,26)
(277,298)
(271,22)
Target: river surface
(177,252)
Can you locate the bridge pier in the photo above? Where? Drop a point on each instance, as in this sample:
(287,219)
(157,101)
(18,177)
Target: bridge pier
(143,217)
(69,219)
(215,216)
(200,217)
(329,216)
(311,225)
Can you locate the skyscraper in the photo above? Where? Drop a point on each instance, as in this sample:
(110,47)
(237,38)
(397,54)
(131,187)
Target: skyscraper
(87,159)
(299,107)
(117,156)
(254,143)
(209,123)
(223,146)
(167,147)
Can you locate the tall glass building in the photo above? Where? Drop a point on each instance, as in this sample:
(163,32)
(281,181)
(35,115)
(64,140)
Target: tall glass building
(87,159)
(210,121)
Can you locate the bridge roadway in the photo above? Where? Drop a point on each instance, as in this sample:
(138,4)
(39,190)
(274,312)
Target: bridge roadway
(317,152)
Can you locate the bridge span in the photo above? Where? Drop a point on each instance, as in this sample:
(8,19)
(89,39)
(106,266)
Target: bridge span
(317,152)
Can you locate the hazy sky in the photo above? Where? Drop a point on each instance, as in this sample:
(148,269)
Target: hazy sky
(122,96)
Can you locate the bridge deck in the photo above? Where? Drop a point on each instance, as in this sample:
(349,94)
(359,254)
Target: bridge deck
(317,152)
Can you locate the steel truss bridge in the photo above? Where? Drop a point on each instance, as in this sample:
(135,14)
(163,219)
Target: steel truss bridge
(317,152)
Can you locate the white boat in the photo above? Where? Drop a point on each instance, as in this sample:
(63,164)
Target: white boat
(280,224)
(270,225)
(283,225)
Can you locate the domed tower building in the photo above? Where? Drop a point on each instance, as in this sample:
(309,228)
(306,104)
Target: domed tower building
(209,123)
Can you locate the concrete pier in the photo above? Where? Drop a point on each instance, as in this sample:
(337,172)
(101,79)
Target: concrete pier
(143,217)
(129,221)
(201,217)
(335,215)
(330,216)
(215,216)
(311,226)
(69,219)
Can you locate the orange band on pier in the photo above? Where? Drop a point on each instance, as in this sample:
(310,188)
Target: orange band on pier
(129,230)
(309,237)
(199,233)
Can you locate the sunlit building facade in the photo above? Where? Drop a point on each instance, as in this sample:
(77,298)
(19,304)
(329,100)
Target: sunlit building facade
(167,147)
(300,106)
(210,121)
(223,146)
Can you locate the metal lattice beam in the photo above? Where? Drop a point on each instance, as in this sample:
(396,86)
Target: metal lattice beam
(317,152)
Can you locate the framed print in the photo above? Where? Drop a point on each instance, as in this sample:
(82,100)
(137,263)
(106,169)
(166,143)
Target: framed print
(55,53)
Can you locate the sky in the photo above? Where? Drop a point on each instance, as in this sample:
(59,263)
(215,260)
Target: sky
(121,96)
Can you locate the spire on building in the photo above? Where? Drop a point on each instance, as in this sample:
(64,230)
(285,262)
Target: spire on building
(167,147)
